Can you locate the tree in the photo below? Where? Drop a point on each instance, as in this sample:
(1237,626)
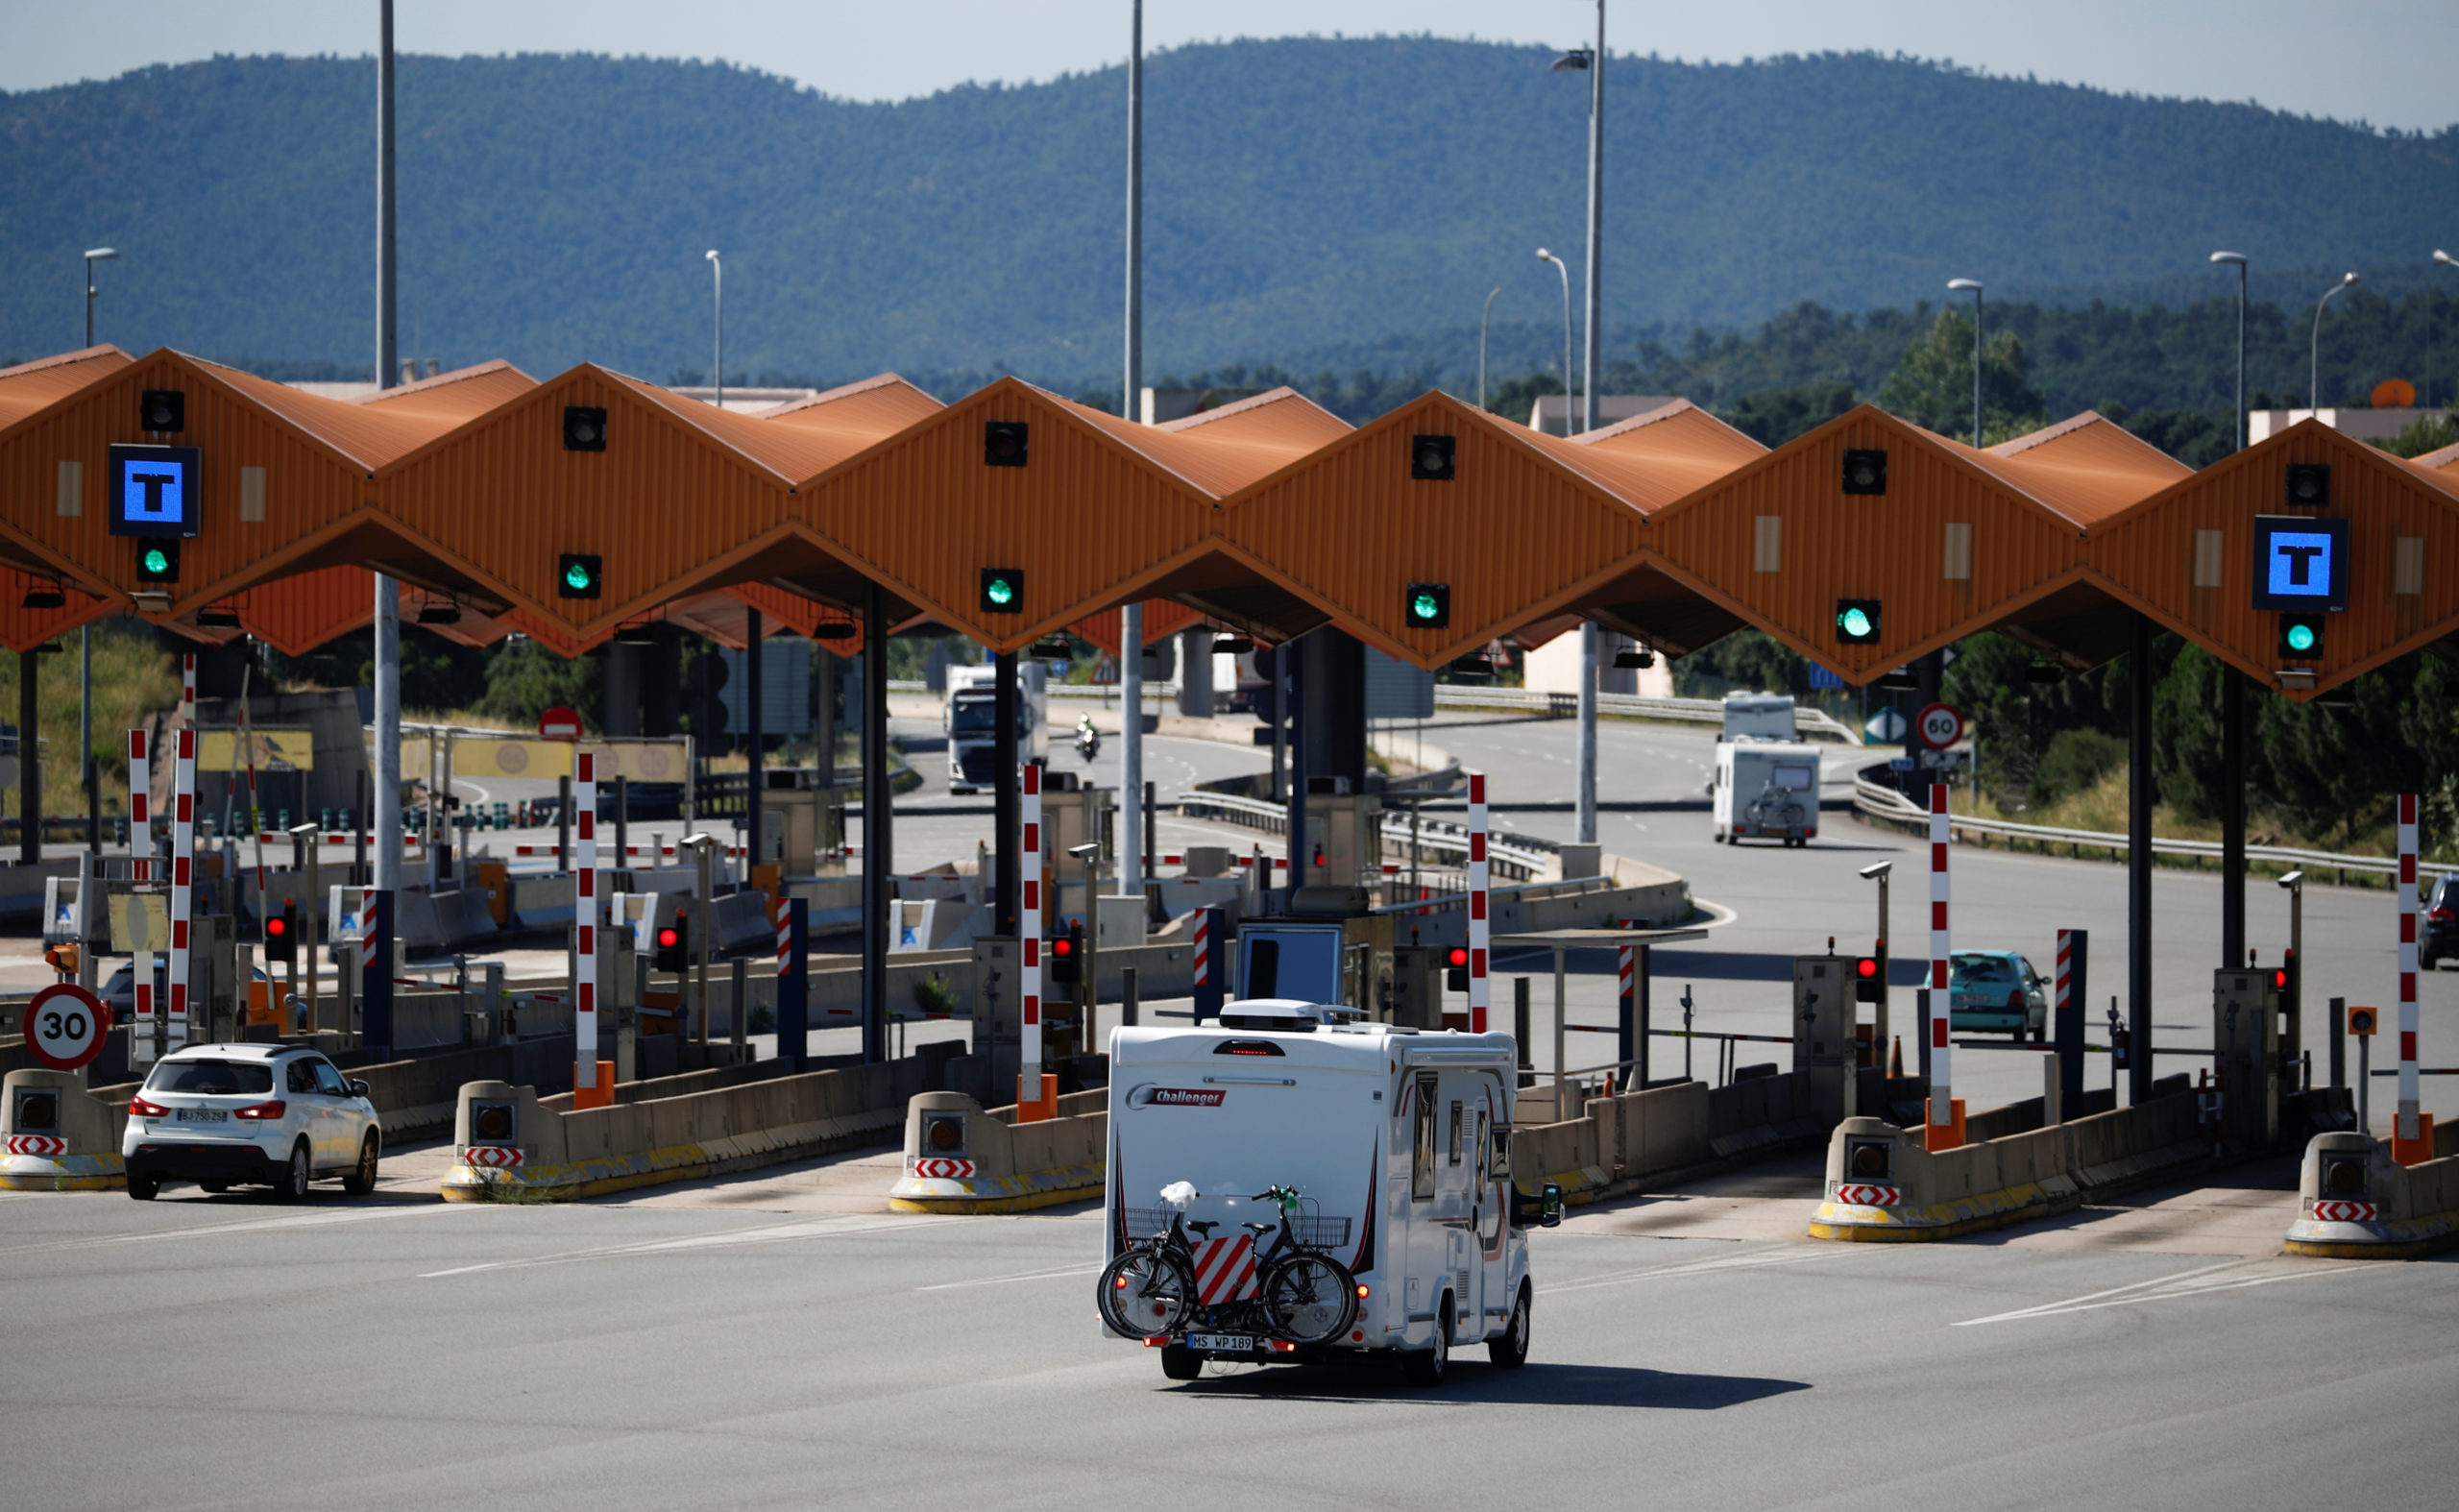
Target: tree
(1774,416)
(1932,387)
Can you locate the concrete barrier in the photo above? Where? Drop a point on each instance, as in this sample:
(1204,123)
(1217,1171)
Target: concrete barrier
(517,1147)
(2355,1203)
(961,1158)
(1882,1186)
(56,1136)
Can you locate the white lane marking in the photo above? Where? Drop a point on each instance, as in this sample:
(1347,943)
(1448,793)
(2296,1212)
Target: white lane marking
(763,1233)
(2165,1289)
(1056,1274)
(243,1226)
(1751,1260)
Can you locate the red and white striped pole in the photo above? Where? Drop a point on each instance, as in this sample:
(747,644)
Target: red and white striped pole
(1029,926)
(2411,1130)
(1478,989)
(182,868)
(141,851)
(1203,950)
(585,922)
(1941,1003)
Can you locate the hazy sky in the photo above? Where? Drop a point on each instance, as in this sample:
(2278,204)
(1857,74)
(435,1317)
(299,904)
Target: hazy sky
(2387,62)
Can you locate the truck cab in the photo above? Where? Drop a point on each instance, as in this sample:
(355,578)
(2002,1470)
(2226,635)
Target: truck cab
(971,720)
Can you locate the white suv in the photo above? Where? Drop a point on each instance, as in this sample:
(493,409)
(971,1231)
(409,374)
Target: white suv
(266,1116)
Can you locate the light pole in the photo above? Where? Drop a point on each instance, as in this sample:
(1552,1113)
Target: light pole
(2238,258)
(1593,61)
(1957,286)
(1485,324)
(2295,884)
(1878,873)
(95,255)
(2438,256)
(718,291)
(1542,255)
(2314,356)
(1130,615)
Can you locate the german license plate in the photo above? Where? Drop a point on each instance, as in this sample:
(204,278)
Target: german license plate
(200,1115)
(1222,1343)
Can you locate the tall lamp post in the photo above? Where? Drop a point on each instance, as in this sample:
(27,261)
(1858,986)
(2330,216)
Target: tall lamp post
(1130,615)
(2314,355)
(718,291)
(95,255)
(1957,286)
(1542,255)
(2238,260)
(1485,324)
(1593,62)
(2438,256)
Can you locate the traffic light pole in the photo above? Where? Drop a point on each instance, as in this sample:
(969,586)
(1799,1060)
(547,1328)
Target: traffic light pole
(2138,867)
(1007,811)
(2232,816)
(376,1017)
(1130,645)
(878,839)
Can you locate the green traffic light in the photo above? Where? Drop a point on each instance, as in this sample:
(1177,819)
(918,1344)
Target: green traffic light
(1855,623)
(1422,606)
(575,576)
(1001,591)
(2302,638)
(156,560)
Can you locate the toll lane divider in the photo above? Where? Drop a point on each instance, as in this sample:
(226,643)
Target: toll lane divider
(56,1136)
(961,1157)
(1882,1184)
(2355,1203)
(508,1145)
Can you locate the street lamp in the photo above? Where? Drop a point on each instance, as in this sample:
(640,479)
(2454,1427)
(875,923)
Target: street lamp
(1878,872)
(2239,259)
(717,271)
(95,255)
(1542,255)
(1485,324)
(2314,358)
(1957,286)
(2438,256)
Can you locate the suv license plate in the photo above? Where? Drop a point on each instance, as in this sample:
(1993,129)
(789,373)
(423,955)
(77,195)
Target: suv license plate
(200,1115)
(1223,1343)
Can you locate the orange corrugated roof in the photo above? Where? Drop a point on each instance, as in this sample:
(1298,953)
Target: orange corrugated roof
(368,435)
(28,386)
(1230,452)
(2087,468)
(1652,459)
(859,413)
(452,398)
(2437,461)
(795,453)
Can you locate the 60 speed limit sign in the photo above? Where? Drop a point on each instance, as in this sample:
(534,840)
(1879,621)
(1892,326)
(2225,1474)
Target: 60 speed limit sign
(1939,725)
(65,1025)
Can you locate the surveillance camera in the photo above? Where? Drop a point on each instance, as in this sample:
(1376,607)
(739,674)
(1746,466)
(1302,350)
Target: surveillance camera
(1872,873)
(2292,879)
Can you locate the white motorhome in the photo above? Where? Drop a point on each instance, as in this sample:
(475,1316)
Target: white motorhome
(970,721)
(1765,789)
(1398,1139)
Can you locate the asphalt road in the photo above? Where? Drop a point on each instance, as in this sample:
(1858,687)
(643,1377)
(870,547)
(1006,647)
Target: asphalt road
(755,1345)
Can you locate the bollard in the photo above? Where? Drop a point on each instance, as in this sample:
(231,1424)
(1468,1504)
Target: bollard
(1519,1021)
(498,1030)
(1127,998)
(741,1019)
(2338,1043)
(2052,1090)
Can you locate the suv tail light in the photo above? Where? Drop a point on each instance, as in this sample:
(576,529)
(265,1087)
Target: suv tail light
(140,1108)
(262,1111)
(2442,915)
(2014,1000)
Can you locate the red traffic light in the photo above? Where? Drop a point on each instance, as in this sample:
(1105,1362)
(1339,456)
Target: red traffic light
(1867,968)
(1062,946)
(669,938)
(276,927)
(2279,978)
(1459,956)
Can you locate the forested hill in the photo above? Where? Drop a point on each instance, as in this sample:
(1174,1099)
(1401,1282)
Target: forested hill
(1305,196)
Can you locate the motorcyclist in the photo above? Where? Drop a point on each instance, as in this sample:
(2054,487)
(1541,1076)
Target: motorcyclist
(1089,739)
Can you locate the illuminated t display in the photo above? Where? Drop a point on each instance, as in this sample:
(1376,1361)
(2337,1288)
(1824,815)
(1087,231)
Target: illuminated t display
(154,491)
(2299,563)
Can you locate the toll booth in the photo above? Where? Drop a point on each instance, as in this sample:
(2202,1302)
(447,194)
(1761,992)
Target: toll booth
(2246,1054)
(1344,840)
(1825,1043)
(1417,986)
(802,827)
(1342,956)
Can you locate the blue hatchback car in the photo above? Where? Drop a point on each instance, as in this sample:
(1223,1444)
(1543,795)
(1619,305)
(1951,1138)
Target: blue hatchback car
(1997,992)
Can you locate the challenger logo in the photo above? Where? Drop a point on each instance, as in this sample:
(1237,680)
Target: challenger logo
(1149,1096)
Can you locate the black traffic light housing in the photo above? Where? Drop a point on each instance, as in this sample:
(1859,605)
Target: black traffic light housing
(579,574)
(282,936)
(943,1134)
(1865,472)
(157,559)
(584,428)
(1066,956)
(494,1123)
(1005,442)
(2344,1175)
(162,410)
(670,950)
(2301,637)
(1427,606)
(2308,485)
(1002,590)
(1868,1159)
(1869,979)
(2361,1020)
(1857,622)
(1432,458)
(1456,973)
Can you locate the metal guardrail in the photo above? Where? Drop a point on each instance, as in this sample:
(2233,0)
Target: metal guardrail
(1525,854)
(1880,801)
(1693,711)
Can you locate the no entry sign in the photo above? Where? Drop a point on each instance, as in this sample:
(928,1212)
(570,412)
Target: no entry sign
(65,1025)
(1939,725)
(559,724)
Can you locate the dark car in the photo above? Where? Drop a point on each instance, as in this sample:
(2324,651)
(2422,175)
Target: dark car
(2438,931)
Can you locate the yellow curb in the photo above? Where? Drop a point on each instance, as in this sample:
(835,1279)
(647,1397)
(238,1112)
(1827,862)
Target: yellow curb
(996,1194)
(1907,1224)
(64,1173)
(2399,1239)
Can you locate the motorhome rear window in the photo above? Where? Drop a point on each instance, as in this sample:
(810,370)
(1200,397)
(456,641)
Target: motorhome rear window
(1247,1048)
(1263,969)
(1792,776)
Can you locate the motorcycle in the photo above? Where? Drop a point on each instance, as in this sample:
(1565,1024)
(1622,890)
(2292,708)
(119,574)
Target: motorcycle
(1088,743)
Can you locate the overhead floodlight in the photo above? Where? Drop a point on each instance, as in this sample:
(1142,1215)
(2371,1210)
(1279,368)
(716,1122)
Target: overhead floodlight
(1574,62)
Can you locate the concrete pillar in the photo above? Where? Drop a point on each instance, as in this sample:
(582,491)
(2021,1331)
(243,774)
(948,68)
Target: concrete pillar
(1195,673)
(1331,688)
(619,678)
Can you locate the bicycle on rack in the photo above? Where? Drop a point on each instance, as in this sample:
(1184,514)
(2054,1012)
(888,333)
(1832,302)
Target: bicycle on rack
(1221,1294)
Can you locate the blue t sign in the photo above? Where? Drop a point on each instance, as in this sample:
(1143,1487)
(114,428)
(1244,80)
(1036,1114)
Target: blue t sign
(2299,563)
(154,491)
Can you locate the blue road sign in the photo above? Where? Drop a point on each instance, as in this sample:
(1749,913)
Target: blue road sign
(154,491)
(2299,563)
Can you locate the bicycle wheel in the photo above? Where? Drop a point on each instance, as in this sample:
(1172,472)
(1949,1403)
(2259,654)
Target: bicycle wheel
(1146,1293)
(1310,1299)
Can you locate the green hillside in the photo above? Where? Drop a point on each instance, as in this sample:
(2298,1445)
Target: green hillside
(1312,203)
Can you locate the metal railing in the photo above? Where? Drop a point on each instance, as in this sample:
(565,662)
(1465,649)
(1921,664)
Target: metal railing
(1880,801)
(1523,854)
(1808,721)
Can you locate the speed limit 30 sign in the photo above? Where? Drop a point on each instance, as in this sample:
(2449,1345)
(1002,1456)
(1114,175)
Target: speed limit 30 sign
(65,1025)
(1939,725)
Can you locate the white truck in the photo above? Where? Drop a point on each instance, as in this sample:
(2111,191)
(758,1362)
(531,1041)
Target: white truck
(1396,1143)
(971,720)
(1765,785)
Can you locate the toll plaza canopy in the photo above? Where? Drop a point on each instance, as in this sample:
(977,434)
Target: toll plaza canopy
(220,503)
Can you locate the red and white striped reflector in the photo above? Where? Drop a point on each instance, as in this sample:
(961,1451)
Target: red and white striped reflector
(1479,997)
(2409,1092)
(1941,995)
(1225,1270)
